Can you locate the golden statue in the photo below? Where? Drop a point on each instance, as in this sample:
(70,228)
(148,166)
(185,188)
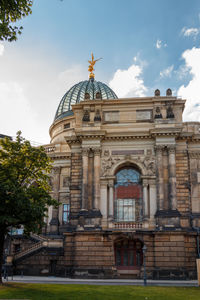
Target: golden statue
(91,66)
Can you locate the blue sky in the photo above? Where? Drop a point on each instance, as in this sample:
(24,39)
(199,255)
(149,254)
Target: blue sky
(145,44)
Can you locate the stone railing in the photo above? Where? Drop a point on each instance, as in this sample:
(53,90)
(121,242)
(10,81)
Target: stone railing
(46,243)
(33,248)
(127,225)
(49,149)
(38,237)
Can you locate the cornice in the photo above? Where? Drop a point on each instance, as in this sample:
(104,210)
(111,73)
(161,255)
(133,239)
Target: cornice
(165,131)
(60,155)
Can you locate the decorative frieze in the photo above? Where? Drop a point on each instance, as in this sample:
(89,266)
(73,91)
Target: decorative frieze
(111,116)
(147,163)
(144,115)
(194,154)
(125,152)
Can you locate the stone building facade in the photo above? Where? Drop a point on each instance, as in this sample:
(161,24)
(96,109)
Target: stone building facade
(126,173)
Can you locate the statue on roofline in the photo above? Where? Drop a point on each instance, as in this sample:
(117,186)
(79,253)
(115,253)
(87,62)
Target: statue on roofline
(91,66)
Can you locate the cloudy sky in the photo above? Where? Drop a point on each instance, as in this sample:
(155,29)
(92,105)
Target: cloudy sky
(145,44)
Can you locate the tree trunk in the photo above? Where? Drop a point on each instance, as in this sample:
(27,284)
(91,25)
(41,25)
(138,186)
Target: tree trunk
(2,239)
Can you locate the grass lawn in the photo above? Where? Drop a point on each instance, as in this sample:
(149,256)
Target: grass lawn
(96,292)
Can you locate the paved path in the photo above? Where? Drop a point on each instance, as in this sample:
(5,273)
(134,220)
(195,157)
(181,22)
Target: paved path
(64,280)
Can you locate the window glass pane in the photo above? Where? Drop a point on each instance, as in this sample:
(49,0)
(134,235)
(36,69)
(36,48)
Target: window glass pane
(138,259)
(125,258)
(118,257)
(131,258)
(66,210)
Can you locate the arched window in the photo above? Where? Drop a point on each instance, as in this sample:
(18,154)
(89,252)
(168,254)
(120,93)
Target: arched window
(128,196)
(128,254)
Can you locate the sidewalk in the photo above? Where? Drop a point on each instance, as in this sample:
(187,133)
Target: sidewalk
(64,280)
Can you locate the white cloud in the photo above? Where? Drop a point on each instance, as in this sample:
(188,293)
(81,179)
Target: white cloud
(71,76)
(167,72)
(128,83)
(190,32)
(182,72)
(160,44)
(30,92)
(1,49)
(15,109)
(191,91)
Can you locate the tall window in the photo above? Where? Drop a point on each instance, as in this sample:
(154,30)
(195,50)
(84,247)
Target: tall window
(128,196)
(66,210)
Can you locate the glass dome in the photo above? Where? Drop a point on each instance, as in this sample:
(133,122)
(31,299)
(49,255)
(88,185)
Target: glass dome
(84,90)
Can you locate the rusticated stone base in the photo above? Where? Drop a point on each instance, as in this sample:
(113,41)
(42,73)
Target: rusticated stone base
(170,255)
(168,218)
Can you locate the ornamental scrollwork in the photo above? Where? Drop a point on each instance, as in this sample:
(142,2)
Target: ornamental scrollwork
(107,163)
(148,163)
(56,170)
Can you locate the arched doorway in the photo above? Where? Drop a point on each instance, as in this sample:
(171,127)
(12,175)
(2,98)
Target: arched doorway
(128,196)
(128,254)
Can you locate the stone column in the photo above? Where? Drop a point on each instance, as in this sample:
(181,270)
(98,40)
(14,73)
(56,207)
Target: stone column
(104,199)
(85,178)
(97,164)
(153,204)
(160,187)
(145,199)
(172,177)
(111,200)
(166,204)
(54,223)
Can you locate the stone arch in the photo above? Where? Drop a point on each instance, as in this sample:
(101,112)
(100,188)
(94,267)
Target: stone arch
(128,194)
(128,163)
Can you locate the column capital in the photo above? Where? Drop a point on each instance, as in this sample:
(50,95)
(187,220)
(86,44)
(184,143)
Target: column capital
(56,170)
(159,148)
(85,151)
(171,149)
(97,151)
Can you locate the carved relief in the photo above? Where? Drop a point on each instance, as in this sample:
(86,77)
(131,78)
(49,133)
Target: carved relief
(97,116)
(147,163)
(66,181)
(170,114)
(86,116)
(56,170)
(106,153)
(107,163)
(158,114)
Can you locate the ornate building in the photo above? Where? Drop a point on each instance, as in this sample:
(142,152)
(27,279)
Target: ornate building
(126,174)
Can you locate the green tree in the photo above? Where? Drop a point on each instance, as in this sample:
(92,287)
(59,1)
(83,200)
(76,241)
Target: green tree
(24,187)
(12,11)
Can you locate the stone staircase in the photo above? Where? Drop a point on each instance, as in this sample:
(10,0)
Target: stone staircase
(43,243)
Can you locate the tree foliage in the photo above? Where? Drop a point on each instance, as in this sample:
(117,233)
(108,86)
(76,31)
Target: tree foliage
(24,186)
(12,11)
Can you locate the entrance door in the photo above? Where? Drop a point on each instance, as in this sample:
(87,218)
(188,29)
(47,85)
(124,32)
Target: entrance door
(128,254)
(53,264)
